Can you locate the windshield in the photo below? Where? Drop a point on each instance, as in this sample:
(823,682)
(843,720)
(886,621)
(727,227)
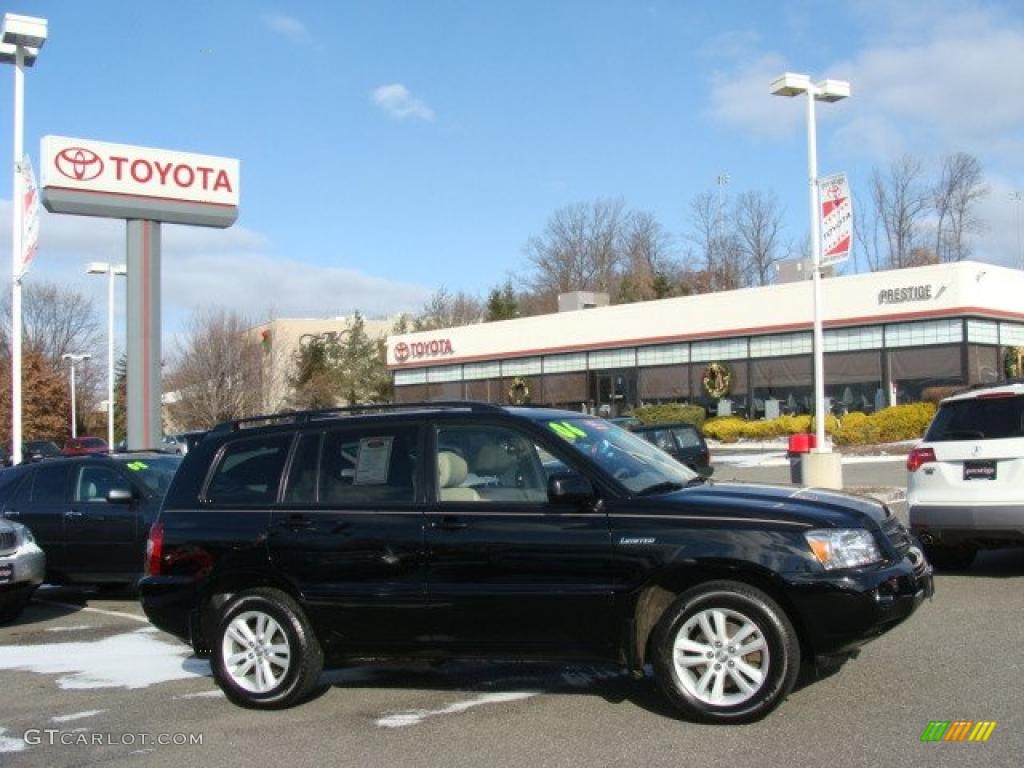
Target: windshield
(631,460)
(155,472)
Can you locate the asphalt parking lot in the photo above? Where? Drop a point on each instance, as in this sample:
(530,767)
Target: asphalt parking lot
(78,668)
(85,680)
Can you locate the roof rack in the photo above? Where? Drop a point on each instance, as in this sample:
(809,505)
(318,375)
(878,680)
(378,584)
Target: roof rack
(991,384)
(305,417)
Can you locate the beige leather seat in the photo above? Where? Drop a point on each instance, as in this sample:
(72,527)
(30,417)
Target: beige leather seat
(493,460)
(451,474)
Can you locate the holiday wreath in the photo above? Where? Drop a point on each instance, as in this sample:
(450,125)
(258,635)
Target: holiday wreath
(717,380)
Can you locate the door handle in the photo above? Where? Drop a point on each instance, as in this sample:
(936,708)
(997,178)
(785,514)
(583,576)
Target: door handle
(447,524)
(296,523)
(12,513)
(72,513)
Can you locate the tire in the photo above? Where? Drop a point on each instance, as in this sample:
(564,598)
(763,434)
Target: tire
(12,608)
(731,686)
(265,653)
(951,558)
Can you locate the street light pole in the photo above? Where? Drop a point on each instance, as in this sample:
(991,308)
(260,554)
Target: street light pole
(22,38)
(791,84)
(74,410)
(104,268)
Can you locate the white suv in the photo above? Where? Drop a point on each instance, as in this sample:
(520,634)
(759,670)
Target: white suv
(966,479)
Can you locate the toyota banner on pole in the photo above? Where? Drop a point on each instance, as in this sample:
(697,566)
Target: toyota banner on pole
(836,219)
(29,216)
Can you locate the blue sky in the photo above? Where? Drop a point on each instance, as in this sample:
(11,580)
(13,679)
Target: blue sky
(389,148)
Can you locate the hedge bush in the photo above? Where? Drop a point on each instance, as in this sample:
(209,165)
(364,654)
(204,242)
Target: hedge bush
(901,422)
(668,413)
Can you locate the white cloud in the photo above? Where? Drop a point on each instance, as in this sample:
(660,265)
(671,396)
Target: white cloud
(949,81)
(234,268)
(287,26)
(397,101)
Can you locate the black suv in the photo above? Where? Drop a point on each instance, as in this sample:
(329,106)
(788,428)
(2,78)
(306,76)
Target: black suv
(89,514)
(465,529)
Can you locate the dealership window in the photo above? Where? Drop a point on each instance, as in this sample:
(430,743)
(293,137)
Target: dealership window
(1011,334)
(576,361)
(928,332)
(663,354)
(852,339)
(982,331)
(612,358)
(724,349)
(444,373)
(527,366)
(781,345)
(404,378)
(490,370)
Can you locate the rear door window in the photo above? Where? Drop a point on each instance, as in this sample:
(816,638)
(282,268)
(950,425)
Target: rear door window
(249,471)
(982,418)
(687,437)
(369,466)
(50,485)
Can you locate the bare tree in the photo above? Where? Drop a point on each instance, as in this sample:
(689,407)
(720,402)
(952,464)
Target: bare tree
(217,371)
(955,197)
(59,320)
(900,201)
(719,256)
(447,310)
(647,264)
(758,227)
(579,249)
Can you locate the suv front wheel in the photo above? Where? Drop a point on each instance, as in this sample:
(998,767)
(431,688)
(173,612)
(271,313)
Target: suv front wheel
(725,652)
(266,655)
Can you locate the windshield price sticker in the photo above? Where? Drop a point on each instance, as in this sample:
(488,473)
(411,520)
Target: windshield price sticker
(137,466)
(566,430)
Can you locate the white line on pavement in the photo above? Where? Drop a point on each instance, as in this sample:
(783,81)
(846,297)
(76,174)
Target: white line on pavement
(93,610)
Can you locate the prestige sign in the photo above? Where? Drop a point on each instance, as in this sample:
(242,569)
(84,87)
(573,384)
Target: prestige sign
(97,178)
(905,294)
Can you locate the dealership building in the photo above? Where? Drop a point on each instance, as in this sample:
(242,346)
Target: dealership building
(889,336)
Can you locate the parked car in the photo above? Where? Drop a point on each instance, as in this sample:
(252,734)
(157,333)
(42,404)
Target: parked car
(683,442)
(22,565)
(37,450)
(90,514)
(469,529)
(80,446)
(181,443)
(965,478)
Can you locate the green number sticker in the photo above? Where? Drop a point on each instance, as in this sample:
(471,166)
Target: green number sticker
(566,431)
(137,466)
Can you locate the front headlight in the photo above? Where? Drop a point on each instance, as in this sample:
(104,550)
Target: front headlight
(843,547)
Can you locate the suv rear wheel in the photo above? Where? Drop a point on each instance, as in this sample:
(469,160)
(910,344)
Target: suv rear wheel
(725,652)
(266,655)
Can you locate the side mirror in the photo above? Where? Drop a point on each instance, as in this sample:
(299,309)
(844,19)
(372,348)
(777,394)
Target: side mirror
(569,488)
(120,496)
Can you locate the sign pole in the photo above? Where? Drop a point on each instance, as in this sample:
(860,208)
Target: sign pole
(143,337)
(16,271)
(819,336)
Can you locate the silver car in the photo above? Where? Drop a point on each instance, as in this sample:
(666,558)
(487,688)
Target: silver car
(22,567)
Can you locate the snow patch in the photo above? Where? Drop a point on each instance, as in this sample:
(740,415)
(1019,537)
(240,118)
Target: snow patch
(8,744)
(76,628)
(130,660)
(417,716)
(77,716)
(217,693)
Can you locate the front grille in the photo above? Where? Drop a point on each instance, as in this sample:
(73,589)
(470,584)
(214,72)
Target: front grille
(8,541)
(898,536)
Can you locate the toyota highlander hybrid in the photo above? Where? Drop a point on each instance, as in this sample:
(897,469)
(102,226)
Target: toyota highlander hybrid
(291,542)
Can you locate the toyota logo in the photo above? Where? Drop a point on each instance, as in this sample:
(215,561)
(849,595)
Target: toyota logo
(79,164)
(401,351)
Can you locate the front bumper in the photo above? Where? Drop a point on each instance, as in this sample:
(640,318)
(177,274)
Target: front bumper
(29,564)
(841,611)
